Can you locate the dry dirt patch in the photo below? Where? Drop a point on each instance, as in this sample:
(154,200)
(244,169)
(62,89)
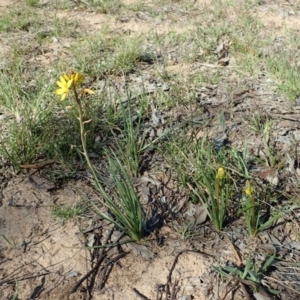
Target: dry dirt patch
(279,20)
(7,3)
(138,23)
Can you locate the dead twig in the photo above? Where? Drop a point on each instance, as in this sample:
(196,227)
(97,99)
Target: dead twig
(13,281)
(175,290)
(97,265)
(107,268)
(38,166)
(140,295)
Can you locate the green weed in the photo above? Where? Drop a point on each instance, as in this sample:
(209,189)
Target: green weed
(68,212)
(11,242)
(32,2)
(107,6)
(251,272)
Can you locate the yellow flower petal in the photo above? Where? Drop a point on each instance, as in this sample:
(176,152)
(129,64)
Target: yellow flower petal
(63,97)
(59,91)
(88,91)
(60,84)
(62,80)
(69,83)
(76,77)
(67,77)
(64,83)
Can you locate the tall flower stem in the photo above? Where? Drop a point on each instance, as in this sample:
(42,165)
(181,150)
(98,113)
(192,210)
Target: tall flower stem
(80,118)
(252,207)
(253,213)
(217,202)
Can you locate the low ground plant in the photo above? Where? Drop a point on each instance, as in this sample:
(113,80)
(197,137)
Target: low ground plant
(249,274)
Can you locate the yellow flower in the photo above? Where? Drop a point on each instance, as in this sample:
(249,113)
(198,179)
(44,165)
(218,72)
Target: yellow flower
(220,173)
(249,189)
(75,76)
(64,86)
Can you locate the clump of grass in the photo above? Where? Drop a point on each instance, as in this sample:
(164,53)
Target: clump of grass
(31,128)
(186,230)
(107,55)
(32,2)
(107,6)
(25,19)
(264,127)
(125,210)
(284,71)
(28,110)
(216,177)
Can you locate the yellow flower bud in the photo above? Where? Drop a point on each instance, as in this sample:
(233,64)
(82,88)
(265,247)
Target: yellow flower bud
(220,173)
(249,188)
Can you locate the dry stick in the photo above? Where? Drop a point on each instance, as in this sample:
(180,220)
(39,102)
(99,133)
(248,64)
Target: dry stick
(109,264)
(97,240)
(174,264)
(37,166)
(112,260)
(175,290)
(97,265)
(13,281)
(159,288)
(25,276)
(104,275)
(56,282)
(140,295)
